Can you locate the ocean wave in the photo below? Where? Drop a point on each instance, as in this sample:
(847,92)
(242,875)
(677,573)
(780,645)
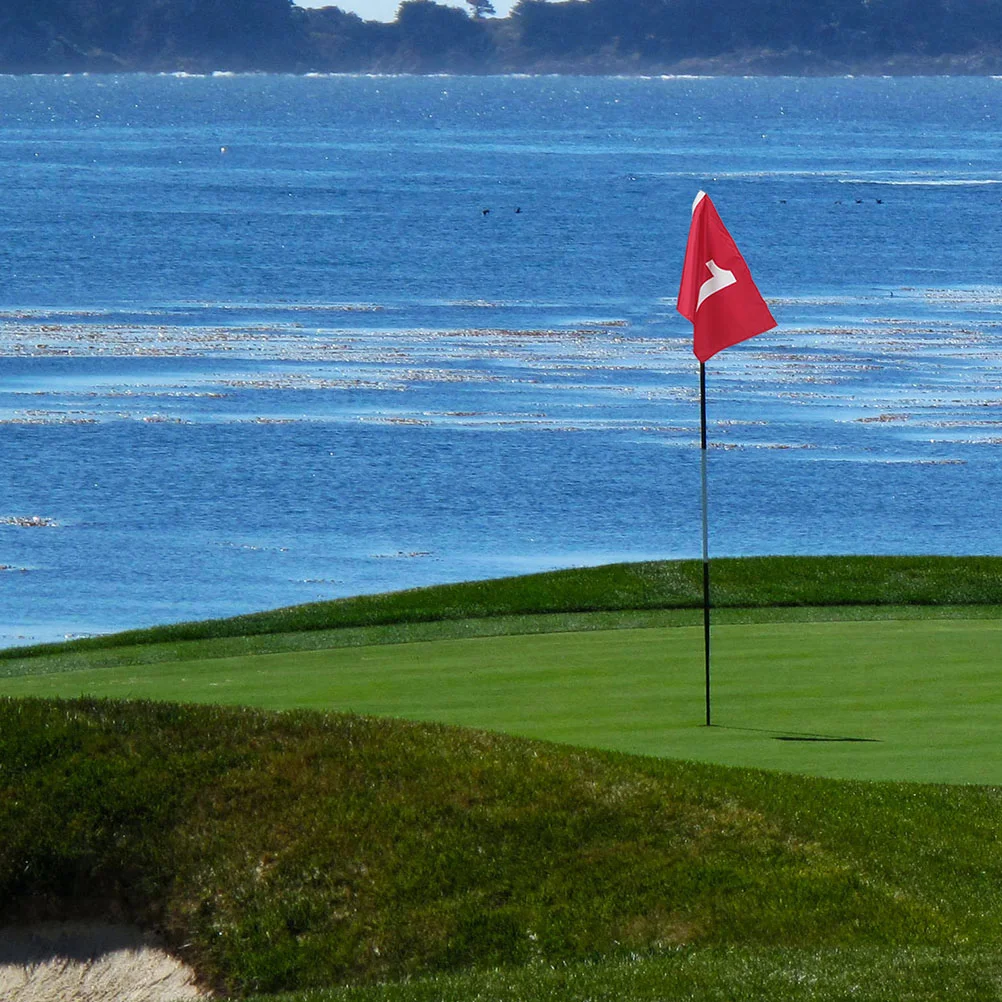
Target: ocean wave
(29,521)
(825,299)
(978,296)
(945,182)
(840,176)
(742,175)
(195,306)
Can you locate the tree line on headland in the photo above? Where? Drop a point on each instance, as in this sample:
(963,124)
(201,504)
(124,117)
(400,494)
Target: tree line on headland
(539,36)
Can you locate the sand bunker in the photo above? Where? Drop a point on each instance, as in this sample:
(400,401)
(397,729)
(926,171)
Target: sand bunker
(84,962)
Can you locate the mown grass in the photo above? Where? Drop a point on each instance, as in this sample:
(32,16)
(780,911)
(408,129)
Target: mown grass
(728,974)
(301,850)
(656,593)
(919,698)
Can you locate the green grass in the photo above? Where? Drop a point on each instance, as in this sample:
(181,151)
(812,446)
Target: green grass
(298,850)
(304,849)
(862,974)
(923,694)
(542,601)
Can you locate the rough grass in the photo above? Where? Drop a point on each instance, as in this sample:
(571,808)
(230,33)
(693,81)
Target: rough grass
(301,850)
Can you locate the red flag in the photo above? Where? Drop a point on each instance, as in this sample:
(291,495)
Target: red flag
(717,294)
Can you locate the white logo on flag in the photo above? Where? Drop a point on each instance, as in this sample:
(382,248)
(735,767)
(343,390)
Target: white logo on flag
(721,279)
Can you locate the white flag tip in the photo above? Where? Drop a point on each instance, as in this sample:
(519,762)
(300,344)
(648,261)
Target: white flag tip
(700,195)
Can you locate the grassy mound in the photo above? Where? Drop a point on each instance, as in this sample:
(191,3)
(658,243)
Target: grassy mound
(633,594)
(298,850)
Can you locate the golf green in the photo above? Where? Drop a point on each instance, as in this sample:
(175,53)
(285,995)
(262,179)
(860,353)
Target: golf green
(897,700)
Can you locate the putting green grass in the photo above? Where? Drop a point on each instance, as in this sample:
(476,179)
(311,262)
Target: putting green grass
(920,699)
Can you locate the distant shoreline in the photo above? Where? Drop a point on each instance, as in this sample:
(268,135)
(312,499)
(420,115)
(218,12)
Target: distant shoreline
(701,70)
(579,37)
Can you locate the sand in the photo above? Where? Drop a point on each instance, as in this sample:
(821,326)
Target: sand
(87,962)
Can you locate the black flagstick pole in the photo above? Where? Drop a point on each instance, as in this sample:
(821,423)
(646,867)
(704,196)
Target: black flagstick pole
(706,534)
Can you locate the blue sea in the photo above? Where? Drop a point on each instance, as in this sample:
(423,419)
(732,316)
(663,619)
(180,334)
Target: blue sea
(266,340)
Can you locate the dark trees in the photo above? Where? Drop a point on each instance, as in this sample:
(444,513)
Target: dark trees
(481,8)
(540,35)
(68,35)
(433,36)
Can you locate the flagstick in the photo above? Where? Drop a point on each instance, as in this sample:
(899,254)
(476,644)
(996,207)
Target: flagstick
(740,314)
(706,534)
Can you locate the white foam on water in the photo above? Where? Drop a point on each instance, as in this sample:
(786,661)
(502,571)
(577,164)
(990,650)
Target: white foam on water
(953,182)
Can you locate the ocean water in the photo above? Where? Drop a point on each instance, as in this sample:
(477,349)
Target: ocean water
(266,340)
